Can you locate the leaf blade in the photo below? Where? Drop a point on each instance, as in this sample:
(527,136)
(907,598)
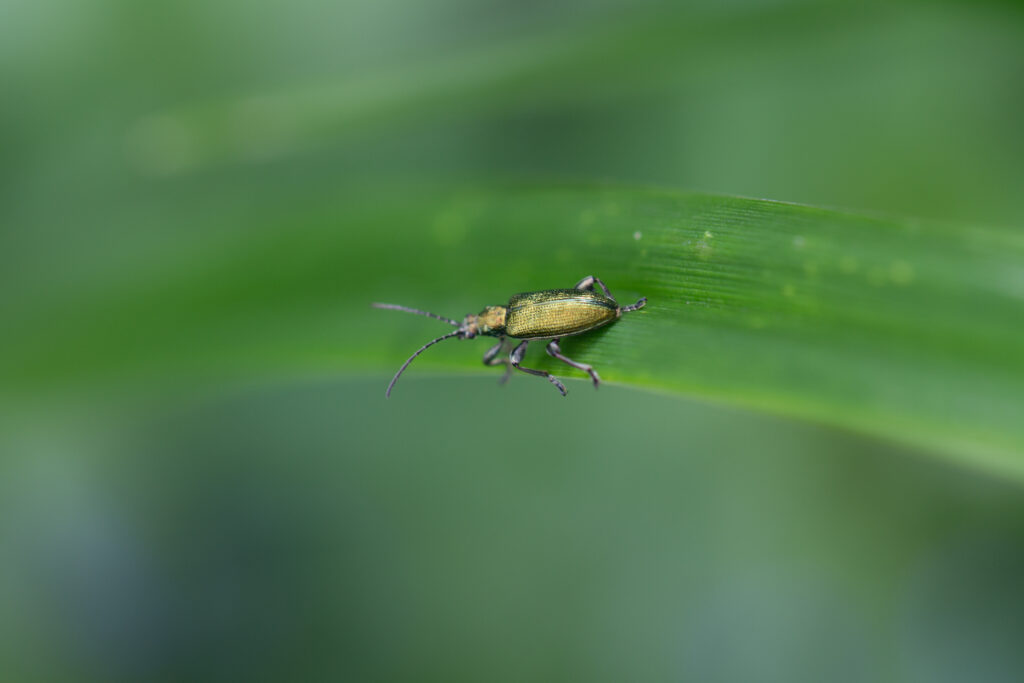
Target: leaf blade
(892,327)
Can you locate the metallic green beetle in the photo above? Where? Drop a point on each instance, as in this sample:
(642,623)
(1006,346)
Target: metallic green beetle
(550,314)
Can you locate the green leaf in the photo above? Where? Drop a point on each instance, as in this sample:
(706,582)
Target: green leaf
(896,328)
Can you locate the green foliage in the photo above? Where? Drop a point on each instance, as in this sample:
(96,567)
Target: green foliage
(200,474)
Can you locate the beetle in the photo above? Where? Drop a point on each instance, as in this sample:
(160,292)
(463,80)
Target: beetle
(531,316)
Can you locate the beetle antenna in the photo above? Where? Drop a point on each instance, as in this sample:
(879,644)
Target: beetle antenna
(387,394)
(396,307)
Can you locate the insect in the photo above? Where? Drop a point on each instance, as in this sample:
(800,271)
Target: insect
(547,315)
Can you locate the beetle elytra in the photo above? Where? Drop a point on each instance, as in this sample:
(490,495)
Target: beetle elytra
(549,314)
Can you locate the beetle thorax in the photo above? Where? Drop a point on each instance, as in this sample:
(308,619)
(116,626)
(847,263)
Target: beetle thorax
(491,320)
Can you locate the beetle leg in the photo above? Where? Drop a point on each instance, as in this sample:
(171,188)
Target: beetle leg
(641,302)
(555,351)
(587,283)
(516,357)
(491,358)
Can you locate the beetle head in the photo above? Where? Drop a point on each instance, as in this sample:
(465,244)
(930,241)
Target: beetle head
(469,327)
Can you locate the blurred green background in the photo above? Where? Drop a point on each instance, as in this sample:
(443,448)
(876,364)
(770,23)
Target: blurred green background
(205,482)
